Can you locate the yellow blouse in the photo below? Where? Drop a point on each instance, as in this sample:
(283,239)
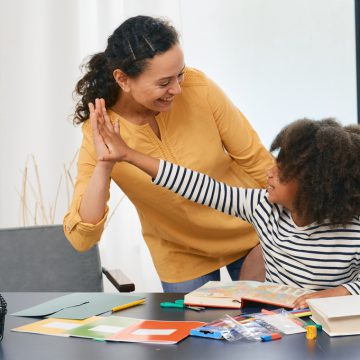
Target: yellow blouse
(205,132)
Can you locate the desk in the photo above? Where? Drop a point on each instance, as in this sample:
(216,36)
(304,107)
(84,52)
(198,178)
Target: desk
(18,346)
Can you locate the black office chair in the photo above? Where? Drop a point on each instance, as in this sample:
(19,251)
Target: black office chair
(40,258)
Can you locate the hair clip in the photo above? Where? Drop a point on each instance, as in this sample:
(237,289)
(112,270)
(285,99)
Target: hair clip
(131,50)
(149,44)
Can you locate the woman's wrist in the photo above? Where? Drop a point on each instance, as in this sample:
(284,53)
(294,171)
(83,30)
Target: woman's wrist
(105,167)
(129,155)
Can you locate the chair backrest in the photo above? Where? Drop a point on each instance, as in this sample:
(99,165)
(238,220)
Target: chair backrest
(40,258)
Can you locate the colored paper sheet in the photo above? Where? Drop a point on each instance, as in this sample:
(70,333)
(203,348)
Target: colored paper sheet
(103,327)
(79,305)
(156,332)
(115,328)
(52,326)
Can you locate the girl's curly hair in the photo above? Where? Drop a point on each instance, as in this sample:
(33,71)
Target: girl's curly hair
(324,159)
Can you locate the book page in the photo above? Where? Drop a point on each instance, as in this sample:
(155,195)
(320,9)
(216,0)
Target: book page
(270,293)
(277,294)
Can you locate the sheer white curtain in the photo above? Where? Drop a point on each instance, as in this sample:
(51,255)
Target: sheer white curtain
(278,60)
(42,45)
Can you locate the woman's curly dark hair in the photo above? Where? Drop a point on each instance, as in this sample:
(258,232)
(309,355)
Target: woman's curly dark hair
(324,158)
(129,48)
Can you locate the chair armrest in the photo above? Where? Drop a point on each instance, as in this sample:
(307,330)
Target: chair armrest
(119,280)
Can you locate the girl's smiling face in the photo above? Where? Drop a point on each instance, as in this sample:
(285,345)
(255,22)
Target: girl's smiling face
(282,193)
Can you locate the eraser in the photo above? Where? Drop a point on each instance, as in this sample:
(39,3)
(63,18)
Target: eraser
(274,336)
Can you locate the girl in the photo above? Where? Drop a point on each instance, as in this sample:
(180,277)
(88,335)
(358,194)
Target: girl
(307,218)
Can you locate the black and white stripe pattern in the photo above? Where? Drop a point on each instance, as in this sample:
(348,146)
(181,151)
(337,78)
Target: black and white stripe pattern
(314,257)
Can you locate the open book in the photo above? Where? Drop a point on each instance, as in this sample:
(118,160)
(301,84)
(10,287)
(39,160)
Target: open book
(338,315)
(233,294)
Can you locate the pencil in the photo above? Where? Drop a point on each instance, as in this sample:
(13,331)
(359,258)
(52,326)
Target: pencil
(125,306)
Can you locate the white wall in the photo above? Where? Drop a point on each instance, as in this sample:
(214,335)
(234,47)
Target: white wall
(278,60)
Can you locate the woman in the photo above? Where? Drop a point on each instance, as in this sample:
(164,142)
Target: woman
(170,111)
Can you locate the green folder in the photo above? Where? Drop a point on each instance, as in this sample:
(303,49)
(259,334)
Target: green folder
(79,305)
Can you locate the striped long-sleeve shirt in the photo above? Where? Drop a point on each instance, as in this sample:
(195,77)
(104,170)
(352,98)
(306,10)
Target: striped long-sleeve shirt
(315,257)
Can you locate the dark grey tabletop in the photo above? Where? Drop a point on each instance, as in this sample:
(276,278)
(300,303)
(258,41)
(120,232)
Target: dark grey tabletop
(18,346)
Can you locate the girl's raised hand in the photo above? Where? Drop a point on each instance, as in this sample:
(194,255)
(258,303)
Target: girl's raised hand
(111,146)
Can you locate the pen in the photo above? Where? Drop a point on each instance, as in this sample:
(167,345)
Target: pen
(125,306)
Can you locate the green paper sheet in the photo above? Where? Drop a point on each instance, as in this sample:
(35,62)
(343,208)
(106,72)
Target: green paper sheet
(78,305)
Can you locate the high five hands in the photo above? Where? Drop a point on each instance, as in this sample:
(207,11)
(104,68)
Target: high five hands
(109,146)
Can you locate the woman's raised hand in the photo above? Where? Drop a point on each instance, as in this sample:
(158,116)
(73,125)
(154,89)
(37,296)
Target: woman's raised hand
(108,144)
(99,143)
